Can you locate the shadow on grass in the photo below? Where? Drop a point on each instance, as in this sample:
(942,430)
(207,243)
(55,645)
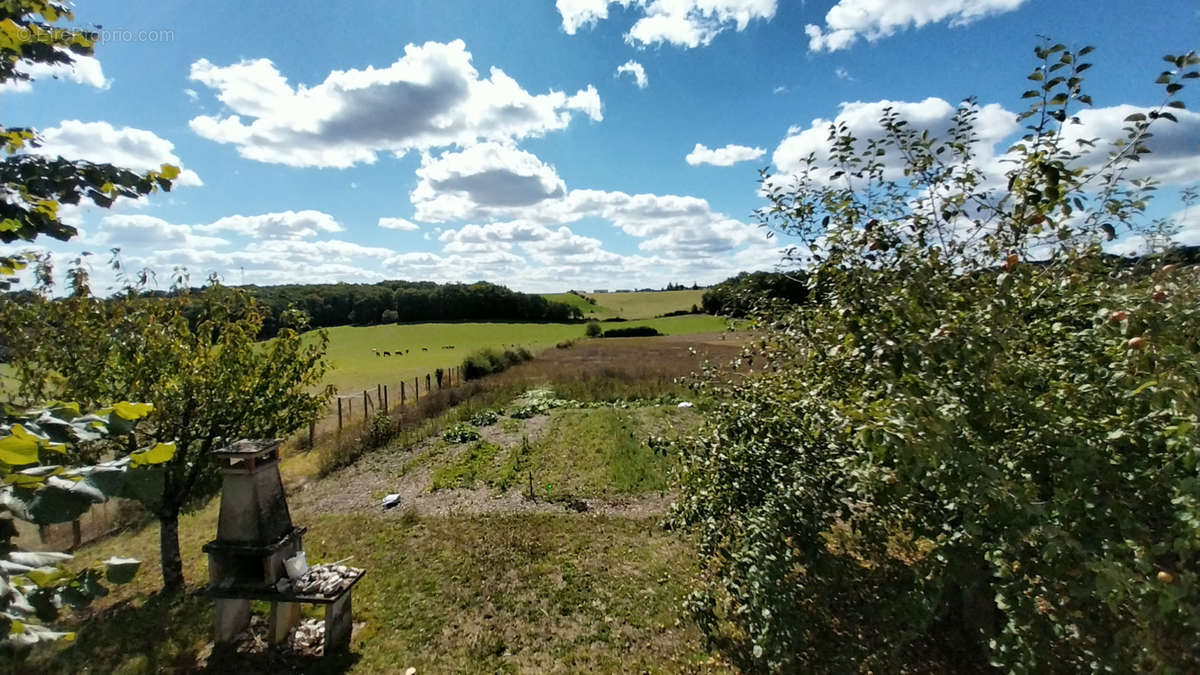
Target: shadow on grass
(167,634)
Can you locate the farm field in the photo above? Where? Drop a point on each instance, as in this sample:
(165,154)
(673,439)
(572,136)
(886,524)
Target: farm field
(636,305)
(471,573)
(354,366)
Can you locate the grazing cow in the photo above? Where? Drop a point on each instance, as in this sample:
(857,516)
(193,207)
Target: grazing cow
(375,351)
(387,353)
(424,349)
(405,351)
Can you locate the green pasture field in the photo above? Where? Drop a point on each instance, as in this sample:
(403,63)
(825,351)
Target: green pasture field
(356,367)
(638,305)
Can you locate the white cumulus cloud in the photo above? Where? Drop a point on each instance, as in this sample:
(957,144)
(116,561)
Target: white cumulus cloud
(727,156)
(280,225)
(682,23)
(634,68)
(431,97)
(398,224)
(101,142)
(849,20)
(84,70)
(485,180)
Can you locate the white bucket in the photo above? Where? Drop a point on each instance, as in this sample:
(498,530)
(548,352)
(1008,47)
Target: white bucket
(296,566)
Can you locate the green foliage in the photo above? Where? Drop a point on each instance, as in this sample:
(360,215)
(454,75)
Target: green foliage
(485,417)
(390,302)
(39,488)
(460,433)
(751,292)
(33,187)
(958,451)
(194,356)
(472,465)
(632,331)
(593,329)
(380,430)
(489,360)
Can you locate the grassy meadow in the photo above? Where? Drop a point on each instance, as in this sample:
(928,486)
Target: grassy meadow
(355,366)
(635,305)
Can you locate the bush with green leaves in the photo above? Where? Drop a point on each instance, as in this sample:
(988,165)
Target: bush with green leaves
(460,433)
(490,360)
(40,487)
(632,331)
(593,329)
(485,417)
(980,446)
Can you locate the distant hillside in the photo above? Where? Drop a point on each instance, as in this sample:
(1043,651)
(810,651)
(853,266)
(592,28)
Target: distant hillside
(631,304)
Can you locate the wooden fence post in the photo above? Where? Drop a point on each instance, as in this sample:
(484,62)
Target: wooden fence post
(385,400)
(366,401)
(417,389)
(339,414)
(379,395)
(312,431)
(401,392)
(427,387)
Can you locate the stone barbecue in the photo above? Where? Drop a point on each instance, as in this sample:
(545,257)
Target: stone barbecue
(255,536)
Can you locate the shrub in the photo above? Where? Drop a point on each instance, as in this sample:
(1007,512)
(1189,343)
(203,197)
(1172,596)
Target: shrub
(460,433)
(593,329)
(484,418)
(958,453)
(380,430)
(488,360)
(389,316)
(565,344)
(634,331)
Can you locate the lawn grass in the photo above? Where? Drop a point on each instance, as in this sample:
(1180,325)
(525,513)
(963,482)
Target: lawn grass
(532,593)
(355,367)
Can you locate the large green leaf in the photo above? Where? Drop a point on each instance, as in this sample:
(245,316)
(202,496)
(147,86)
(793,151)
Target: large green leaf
(132,411)
(19,447)
(57,504)
(46,577)
(163,452)
(144,485)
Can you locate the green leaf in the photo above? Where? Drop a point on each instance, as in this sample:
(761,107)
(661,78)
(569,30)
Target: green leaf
(163,452)
(57,504)
(1136,117)
(1145,385)
(46,577)
(132,411)
(19,448)
(170,171)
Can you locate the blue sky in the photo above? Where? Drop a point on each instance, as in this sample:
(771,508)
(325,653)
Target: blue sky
(537,145)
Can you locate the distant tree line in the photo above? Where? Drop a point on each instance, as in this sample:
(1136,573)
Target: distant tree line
(740,295)
(343,304)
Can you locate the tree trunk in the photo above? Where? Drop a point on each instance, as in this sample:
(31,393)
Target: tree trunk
(172,564)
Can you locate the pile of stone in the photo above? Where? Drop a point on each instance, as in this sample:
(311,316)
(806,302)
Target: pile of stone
(308,637)
(327,580)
